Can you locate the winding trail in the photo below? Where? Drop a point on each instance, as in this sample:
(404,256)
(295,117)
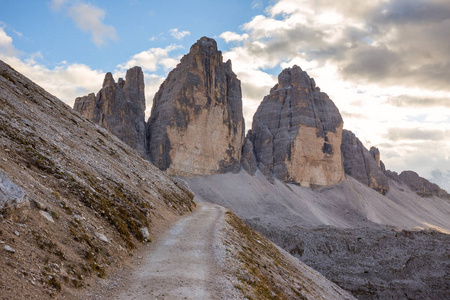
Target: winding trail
(180,265)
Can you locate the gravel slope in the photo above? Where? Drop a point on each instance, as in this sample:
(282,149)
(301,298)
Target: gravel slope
(212,254)
(377,247)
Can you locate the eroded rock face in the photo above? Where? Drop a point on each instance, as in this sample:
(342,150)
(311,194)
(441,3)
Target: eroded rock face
(362,164)
(297,132)
(119,107)
(196,126)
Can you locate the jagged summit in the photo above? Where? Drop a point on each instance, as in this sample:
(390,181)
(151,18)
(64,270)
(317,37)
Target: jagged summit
(119,107)
(196,126)
(297,131)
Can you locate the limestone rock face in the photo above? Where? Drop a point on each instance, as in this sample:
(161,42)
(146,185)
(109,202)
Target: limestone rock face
(119,107)
(196,126)
(297,132)
(362,164)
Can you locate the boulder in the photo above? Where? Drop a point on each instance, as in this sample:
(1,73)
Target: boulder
(196,126)
(297,132)
(14,203)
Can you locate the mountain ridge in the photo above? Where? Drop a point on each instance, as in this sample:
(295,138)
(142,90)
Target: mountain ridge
(76,202)
(319,165)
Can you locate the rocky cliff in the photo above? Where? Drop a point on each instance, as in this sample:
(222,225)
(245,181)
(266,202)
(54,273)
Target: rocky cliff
(119,107)
(196,126)
(362,164)
(297,132)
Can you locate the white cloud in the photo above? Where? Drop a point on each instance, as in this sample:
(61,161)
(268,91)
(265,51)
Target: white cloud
(6,45)
(152,83)
(179,35)
(68,81)
(89,18)
(229,36)
(65,82)
(151,59)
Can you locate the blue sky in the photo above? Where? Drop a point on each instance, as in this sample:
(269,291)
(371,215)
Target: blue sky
(385,63)
(51,30)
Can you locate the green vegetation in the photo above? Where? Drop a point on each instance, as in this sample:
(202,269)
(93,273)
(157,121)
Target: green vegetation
(257,281)
(54,283)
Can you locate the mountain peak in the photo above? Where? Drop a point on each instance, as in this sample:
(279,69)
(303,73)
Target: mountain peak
(297,131)
(108,81)
(197,125)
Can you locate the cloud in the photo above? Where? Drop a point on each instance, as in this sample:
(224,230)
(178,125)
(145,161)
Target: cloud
(89,18)
(65,82)
(414,101)
(417,156)
(152,84)
(68,81)
(179,35)
(397,134)
(229,36)
(384,42)
(6,44)
(152,59)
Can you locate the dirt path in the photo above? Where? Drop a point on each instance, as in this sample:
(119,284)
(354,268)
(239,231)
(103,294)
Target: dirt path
(180,265)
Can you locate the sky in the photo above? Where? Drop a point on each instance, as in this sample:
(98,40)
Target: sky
(385,63)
